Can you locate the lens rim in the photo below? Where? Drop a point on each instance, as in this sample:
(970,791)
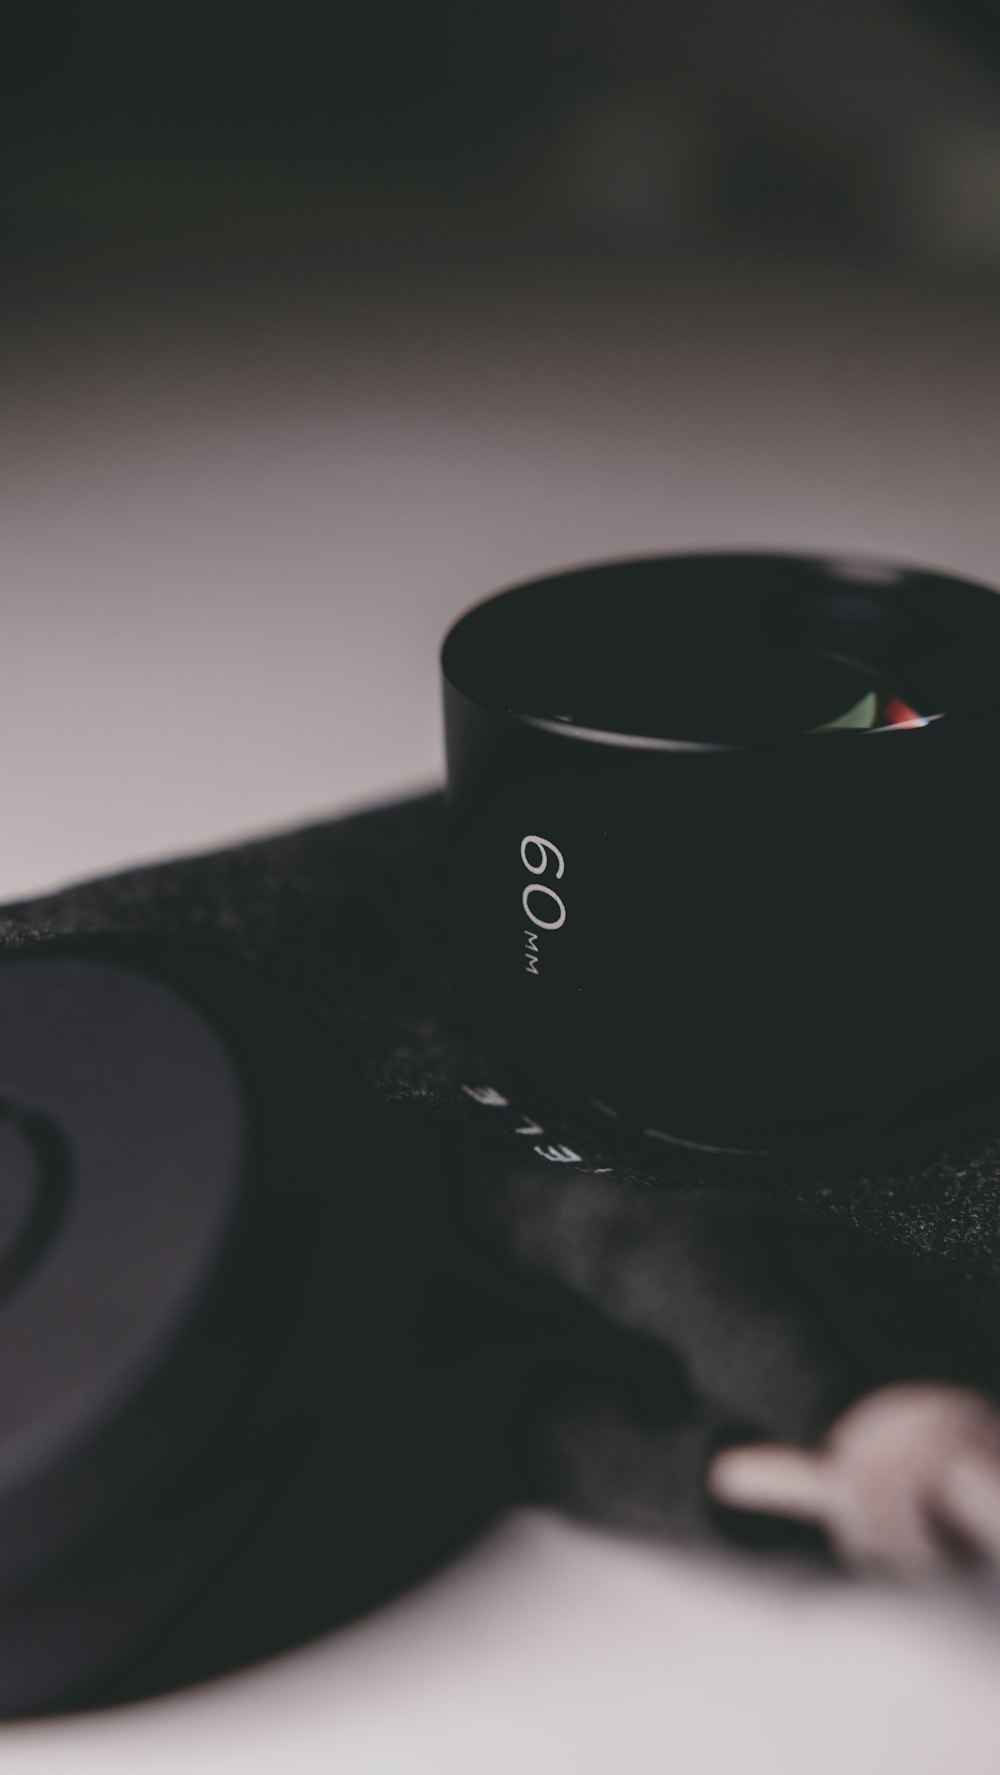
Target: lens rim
(469,643)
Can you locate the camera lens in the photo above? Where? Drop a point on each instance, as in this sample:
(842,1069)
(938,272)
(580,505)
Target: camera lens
(722,839)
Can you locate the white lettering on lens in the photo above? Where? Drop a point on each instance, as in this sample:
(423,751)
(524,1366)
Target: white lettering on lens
(542,845)
(486,1095)
(542,905)
(544,924)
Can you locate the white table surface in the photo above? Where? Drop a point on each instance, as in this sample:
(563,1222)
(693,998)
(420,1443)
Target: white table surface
(231,535)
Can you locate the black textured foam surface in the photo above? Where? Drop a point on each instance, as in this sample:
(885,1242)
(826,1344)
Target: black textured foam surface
(697,1304)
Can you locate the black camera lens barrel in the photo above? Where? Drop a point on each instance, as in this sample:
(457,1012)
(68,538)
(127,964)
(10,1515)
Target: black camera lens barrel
(722,857)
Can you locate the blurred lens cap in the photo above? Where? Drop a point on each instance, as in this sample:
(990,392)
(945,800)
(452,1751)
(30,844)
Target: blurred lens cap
(158,1192)
(225,1269)
(121,1161)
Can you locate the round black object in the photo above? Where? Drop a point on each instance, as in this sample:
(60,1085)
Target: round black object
(723,851)
(214,1250)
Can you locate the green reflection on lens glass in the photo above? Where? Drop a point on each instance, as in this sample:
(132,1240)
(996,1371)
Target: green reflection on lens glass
(863,713)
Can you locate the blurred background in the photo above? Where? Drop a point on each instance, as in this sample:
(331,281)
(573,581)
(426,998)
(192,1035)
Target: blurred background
(319,322)
(239,134)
